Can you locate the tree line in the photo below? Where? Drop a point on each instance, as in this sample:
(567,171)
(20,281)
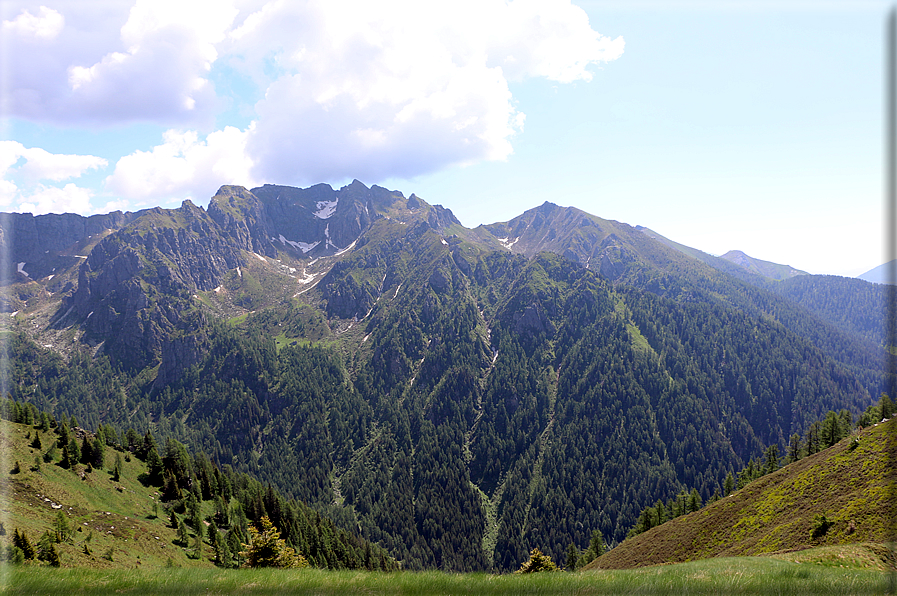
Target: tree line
(245,512)
(821,435)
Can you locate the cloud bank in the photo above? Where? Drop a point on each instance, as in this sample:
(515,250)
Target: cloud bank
(34,167)
(331,89)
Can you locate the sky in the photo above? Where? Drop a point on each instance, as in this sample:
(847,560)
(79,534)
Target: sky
(753,126)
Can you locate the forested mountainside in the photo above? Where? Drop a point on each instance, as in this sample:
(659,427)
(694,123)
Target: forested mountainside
(843,494)
(66,482)
(853,305)
(459,396)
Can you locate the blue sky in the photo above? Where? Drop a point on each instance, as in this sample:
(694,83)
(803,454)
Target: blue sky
(722,125)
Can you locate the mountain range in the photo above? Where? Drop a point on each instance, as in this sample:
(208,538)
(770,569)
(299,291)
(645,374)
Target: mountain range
(457,395)
(877,275)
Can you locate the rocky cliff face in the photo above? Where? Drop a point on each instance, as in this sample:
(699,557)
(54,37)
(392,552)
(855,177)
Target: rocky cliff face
(38,246)
(135,288)
(243,218)
(136,284)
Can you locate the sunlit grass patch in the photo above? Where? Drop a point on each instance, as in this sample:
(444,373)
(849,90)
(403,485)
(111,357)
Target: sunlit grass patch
(741,575)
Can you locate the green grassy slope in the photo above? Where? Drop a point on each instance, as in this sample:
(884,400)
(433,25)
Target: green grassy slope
(732,575)
(112,521)
(852,486)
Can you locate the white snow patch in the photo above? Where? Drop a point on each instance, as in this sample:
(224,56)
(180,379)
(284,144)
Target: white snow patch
(508,244)
(21,269)
(260,258)
(51,277)
(304,291)
(443,241)
(303,246)
(306,278)
(327,240)
(345,250)
(217,290)
(240,273)
(366,338)
(326,209)
(397,291)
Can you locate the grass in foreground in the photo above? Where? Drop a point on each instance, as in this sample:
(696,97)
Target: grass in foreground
(742,575)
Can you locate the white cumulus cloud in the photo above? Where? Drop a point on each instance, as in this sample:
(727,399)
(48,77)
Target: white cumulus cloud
(43,165)
(51,199)
(46,26)
(8,191)
(108,65)
(334,89)
(39,165)
(184,166)
(373,90)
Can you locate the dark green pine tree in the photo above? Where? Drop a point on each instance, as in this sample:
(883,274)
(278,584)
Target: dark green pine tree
(596,543)
(117,467)
(886,406)
(154,465)
(20,540)
(98,452)
(66,461)
(572,557)
(183,537)
(728,484)
(74,451)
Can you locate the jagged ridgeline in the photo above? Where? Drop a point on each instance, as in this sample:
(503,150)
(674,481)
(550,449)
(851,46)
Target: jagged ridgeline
(460,396)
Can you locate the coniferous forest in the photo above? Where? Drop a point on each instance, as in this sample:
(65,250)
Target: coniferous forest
(453,402)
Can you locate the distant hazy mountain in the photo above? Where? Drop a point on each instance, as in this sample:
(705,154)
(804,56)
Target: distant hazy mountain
(876,275)
(760,267)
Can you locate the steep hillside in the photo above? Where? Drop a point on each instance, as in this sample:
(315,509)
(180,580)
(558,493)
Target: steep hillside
(853,305)
(842,495)
(458,396)
(641,258)
(117,514)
